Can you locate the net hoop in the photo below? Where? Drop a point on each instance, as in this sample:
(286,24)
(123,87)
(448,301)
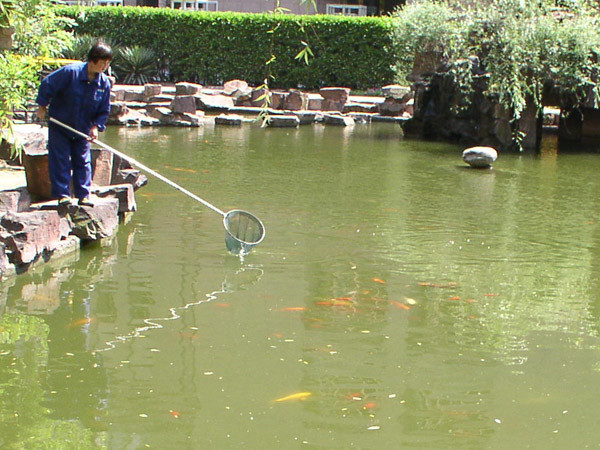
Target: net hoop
(243,231)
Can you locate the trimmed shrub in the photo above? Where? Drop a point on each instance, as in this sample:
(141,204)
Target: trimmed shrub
(211,48)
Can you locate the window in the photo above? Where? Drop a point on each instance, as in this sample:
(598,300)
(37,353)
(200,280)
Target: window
(109,2)
(195,5)
(347,10)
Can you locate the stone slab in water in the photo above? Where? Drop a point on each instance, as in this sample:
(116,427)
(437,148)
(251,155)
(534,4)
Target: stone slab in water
(283,121)
(335,119)
(229,119)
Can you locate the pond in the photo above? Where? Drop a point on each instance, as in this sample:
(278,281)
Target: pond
(399,300)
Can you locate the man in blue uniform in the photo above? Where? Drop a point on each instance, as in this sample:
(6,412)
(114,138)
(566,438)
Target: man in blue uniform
(78,95)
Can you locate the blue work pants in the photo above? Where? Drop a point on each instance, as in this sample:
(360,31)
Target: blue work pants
(69,157)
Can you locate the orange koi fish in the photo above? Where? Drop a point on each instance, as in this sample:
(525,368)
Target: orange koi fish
(294,308)
(379,280)
(192,336)
(455,298)
(438,285)
(81,322)
(181,169)
(296,396)
(174,413)
(400,305)
(369,405)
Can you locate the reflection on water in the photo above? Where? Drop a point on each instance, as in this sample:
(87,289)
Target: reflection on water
(400,300)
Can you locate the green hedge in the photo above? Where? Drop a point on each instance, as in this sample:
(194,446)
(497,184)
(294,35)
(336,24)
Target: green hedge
(211,48)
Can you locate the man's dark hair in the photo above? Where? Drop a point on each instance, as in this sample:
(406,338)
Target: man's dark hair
(100,50)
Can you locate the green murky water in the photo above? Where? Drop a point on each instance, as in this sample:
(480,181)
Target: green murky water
(401,299)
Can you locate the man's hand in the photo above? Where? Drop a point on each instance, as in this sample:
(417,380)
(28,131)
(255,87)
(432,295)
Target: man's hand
(93,133)
(41,113)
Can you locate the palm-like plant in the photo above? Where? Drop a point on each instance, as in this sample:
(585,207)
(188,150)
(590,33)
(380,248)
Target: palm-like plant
(135,65)
(81,46)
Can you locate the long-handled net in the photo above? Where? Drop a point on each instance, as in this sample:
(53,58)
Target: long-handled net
(243,230)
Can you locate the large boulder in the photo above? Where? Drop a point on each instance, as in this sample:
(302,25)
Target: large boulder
(480,157)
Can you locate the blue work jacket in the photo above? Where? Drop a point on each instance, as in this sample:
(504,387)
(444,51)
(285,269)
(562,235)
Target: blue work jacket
(74,99)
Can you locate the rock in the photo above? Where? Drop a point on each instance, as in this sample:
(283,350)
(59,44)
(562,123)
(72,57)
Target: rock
(122,192)
(151,107)
(392,107)
(133,96)
(184,104)
(334,98)
(480,157)
(306,117)
(229,119)
(337,119)
(395,91)
(278,99)
(315,102)
(361,117)
(360,108)
(234,85)
(215,102)
(130,176)
(259,97)
(160,98)
(187,88)
(38,176)
(117,110)
(116,96)
(190,119)
(16,200)
(295,101)
(94,223)
(30,235)
(102,167)
(162,114)
(281,121)
(146,120)
(5,265)
(238,90)
(151,90)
